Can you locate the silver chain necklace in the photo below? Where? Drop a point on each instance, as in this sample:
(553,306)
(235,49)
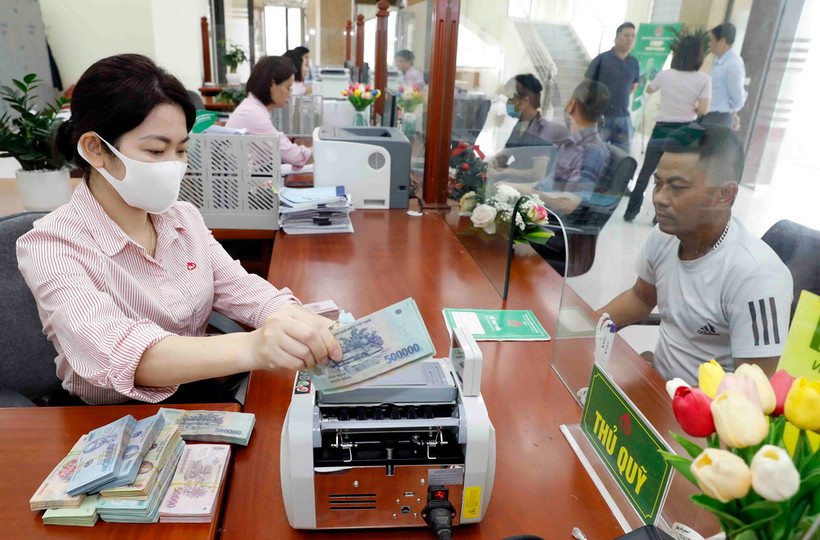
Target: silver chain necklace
(722,237)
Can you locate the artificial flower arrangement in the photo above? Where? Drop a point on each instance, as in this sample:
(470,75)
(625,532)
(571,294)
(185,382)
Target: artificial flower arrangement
(757,488)
(468,172)
(409,98)
(530,218)
(361,95)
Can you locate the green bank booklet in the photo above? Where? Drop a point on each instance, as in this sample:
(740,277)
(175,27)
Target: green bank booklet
(497,324)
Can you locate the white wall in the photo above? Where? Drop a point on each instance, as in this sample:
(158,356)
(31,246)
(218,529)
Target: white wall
(81,32)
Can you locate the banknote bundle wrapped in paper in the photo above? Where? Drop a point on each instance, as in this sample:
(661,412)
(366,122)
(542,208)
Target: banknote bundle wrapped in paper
(83,516)
(158,455)
(143,510)
(212,426)
(374,345)
(52,493)
(193,494)
(101,457)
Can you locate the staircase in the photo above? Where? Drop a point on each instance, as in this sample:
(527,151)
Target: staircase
(569,57)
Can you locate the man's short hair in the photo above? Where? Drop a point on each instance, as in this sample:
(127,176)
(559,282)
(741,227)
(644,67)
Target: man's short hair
(593,98)
(725,31)
(624,25)
(407,55)
(719,149)
(531,87)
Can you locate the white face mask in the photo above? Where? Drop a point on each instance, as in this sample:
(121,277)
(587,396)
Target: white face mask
(152,187)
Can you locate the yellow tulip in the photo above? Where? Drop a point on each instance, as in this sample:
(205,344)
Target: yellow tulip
(774,476)
(709,376)
(738,421)
(802,406)
(764,388)
(357,92)
(721,474)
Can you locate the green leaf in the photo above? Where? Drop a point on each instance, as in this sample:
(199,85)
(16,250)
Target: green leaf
(746,535)
(28,79)
(680,464)
(22,86)
(691,448)
(759,513)
(721,510)
(809,483)
(811,465)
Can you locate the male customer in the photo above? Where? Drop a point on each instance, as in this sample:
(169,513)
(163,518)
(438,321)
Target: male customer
(410,76)
(728,73)
(722,293)
(620,72)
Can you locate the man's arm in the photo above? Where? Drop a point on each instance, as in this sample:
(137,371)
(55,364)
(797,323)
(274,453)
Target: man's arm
(632,305)
(634,86)
(734,84)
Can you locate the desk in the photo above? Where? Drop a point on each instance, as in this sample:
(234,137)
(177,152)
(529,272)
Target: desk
(34,440)
(540,486)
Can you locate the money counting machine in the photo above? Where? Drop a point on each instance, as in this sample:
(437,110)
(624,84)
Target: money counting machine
(412,448)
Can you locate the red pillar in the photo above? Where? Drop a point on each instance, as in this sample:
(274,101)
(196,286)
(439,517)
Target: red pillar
(348,31)
(380,75)
(360,41)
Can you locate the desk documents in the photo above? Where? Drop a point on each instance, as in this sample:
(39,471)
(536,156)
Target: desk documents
(374,345)
(496,324)
(314,210)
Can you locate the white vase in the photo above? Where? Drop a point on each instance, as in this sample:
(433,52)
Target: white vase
(232,78)
(44,189)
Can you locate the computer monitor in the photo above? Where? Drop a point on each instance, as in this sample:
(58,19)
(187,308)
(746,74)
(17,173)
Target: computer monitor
(389,111)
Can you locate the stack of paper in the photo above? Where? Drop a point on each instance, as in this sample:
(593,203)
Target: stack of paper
(192,497)
(314,210)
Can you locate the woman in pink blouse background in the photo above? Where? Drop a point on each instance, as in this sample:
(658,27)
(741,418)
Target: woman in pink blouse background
(125,276)
(269,87)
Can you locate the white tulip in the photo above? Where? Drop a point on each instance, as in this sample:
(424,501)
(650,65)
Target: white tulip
(673,385)
(774,476)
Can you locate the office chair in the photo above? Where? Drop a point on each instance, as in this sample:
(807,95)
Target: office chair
(798,247)
(27,356)
(584,224)
(196,99)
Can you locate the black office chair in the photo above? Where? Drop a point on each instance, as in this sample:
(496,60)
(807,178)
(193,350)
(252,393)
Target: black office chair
(26,357)
(196,99)
(798,247)
(584,224)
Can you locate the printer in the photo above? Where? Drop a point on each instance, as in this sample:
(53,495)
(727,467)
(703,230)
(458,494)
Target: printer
(415,444)
(373,163)
(331,80)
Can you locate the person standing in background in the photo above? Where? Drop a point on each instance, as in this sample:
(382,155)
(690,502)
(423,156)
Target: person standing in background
(728,74)
(620,72)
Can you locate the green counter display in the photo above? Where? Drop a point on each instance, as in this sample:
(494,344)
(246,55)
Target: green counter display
(497,324)
(627,444)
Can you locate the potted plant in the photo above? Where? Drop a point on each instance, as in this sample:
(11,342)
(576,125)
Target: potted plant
(234,55)
(232,96)
(27,134)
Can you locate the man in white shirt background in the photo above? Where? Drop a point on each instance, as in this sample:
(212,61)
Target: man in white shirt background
(728,73)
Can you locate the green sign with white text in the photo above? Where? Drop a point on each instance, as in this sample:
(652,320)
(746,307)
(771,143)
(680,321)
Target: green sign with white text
(627,444)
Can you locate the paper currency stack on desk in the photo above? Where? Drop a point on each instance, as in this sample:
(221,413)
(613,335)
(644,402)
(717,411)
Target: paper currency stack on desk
(374,345)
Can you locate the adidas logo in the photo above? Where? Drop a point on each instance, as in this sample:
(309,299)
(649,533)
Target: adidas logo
(708,330)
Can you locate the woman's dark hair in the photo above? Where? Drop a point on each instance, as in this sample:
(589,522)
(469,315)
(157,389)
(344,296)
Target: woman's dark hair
(688,55)
(114,96)
(530,87)
(269,69)
(301,49)
(298,60)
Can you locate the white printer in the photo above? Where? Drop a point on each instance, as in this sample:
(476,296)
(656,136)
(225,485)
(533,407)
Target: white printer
(331,80)
(373,163)
(409,448)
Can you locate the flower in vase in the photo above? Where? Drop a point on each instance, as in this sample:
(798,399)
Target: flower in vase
(468,202)
(538,214)
(739,422)
(774,476)
(802,407)
(709,376)
(693,411)
(781,384)
(765,392)
(721,474)
(506,193)
(484,217)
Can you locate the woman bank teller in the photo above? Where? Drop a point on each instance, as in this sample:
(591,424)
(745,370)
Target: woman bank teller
(125,277)
(269,87)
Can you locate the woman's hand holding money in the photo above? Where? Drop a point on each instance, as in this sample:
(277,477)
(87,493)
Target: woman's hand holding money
(294,338)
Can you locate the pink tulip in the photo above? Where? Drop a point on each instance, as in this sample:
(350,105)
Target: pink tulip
(782,383)
(743,385)
(692,408)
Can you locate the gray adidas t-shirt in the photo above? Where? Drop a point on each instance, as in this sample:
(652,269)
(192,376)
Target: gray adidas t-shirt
(734,302)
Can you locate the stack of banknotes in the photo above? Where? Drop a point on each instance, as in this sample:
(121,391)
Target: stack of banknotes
(144,434)
(212,426)
(193,494)
(83,516)
(101,457)
(52,493)
(325,308)
(375,345)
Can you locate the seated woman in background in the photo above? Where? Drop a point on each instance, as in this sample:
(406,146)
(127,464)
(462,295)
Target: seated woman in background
(125,277)
(269,87)
(299,87)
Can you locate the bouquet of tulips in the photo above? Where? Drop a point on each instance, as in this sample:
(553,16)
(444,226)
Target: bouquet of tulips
(361,95)
(757,488)
(409,98)
(529,219)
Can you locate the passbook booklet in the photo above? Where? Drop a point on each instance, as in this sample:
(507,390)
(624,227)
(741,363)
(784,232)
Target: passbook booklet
(496,324)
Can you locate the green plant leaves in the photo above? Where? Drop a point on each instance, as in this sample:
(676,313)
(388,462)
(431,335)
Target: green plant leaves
(680,464)
(691,448)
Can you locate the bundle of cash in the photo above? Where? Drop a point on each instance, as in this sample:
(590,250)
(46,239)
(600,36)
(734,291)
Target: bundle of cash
(101,456)
(52,492)
(212,426)
(143,510)
(326,308)
(83,516)
(376,344)
(192,497)
(154,461)
(143,436)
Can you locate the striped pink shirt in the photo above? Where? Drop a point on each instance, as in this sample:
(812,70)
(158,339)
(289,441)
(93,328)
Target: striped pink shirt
(103,300)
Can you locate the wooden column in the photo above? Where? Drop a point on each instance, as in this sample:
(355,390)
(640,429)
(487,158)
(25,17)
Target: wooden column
(440,101)
(206,49)
(380,75)
(360,41)
(348,31)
